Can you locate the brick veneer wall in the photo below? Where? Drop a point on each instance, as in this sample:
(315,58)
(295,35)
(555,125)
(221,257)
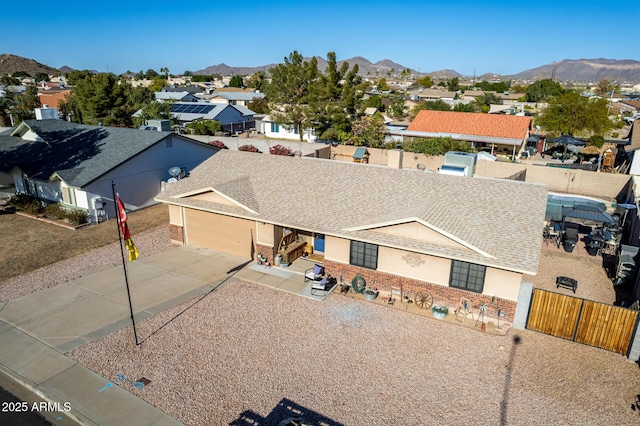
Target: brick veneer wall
(176,233)
(442,295)
(267,251)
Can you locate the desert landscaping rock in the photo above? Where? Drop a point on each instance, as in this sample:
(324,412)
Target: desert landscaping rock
(247,352)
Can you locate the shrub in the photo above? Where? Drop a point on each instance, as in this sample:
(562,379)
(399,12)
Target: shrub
(248,148)
(280,150)
(26,203)
(596,140)
(76,217)
(218,144)
(55,211)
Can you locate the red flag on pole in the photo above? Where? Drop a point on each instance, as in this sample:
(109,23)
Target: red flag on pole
(124,228)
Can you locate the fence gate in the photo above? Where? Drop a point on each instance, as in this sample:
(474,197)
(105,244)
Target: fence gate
(592,323)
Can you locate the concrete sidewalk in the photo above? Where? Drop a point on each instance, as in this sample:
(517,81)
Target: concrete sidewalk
(37,329)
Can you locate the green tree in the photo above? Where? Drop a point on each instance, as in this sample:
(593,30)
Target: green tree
(453,84)
(76,75)
(154,111)
(487,99)
(236,81)
(257,81)
(543,90)
(437,105)
(397,108)
(26,104)
(605,86)
(6,105)
(204,127)
(425,81)
(500,87)
(41,76)
(468,107)
(258,105)
(165,71)
(436,146)
(8,80)
(572,113)
(200,78)
(374,101)
(157,84)
(368,131)
(335,100)
(290,91)
(151,74)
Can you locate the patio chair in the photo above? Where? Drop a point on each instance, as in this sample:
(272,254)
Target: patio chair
(570,239)
(314,274)
(321,287)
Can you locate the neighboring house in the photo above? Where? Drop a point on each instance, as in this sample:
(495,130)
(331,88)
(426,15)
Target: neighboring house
(271,129)
(235,98)
(75,164)
(183,96)
(234,118)
(52,98)
(452,236)
(497,132)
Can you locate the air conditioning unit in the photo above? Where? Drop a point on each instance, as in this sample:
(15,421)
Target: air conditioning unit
(98,203)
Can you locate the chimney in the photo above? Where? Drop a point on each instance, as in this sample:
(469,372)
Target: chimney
(394,160)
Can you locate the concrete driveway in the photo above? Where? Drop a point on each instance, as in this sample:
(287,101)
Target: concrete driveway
(74,313)
(37,329)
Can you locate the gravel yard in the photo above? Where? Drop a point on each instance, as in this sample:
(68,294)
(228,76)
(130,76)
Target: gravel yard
(248,351)
(253,355)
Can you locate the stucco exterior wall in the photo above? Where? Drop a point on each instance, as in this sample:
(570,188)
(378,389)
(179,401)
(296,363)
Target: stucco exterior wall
(175,215)
(413,265)
(505,284)
(266,234)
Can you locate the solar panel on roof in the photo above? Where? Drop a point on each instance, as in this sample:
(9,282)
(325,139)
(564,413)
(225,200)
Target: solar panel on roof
(192,108)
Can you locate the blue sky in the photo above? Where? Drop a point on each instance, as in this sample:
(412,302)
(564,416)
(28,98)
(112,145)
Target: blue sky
(503,37)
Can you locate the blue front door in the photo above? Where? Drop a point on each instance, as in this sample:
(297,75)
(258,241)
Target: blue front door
(318,243)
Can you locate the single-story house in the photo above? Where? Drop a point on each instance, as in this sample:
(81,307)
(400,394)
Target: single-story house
(234,118)
(53,98)
(235,98)
(495,132)
(75,164)
(172,96)
(399,227)
(271,129)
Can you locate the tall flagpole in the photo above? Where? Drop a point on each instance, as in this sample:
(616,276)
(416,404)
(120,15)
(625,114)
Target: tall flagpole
(124,265)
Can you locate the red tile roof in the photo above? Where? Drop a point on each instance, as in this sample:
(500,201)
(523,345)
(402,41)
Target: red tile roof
(53,99)
(470,123)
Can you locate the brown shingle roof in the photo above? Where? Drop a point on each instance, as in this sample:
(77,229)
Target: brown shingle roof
(470,123)
(495,222)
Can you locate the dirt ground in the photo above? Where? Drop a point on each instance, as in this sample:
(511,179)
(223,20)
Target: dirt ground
(593,281)
(29,244)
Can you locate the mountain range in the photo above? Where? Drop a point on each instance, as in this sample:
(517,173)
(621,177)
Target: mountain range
(568,70)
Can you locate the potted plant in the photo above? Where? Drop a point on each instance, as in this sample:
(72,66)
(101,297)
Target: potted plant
(370,293)
(439,312)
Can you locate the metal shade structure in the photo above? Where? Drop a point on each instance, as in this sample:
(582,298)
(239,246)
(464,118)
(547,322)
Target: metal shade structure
(570,143)
(587,214)
(567,140)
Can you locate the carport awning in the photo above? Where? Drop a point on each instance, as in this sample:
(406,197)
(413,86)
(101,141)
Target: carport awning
(587,214)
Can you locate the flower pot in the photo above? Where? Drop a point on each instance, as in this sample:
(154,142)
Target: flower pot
(439,312)
(370,295)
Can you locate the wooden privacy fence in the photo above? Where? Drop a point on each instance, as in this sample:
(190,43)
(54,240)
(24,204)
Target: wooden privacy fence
(592,323)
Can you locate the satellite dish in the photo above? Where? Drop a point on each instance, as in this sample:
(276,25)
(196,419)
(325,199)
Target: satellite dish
(172,180)
(175,172)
